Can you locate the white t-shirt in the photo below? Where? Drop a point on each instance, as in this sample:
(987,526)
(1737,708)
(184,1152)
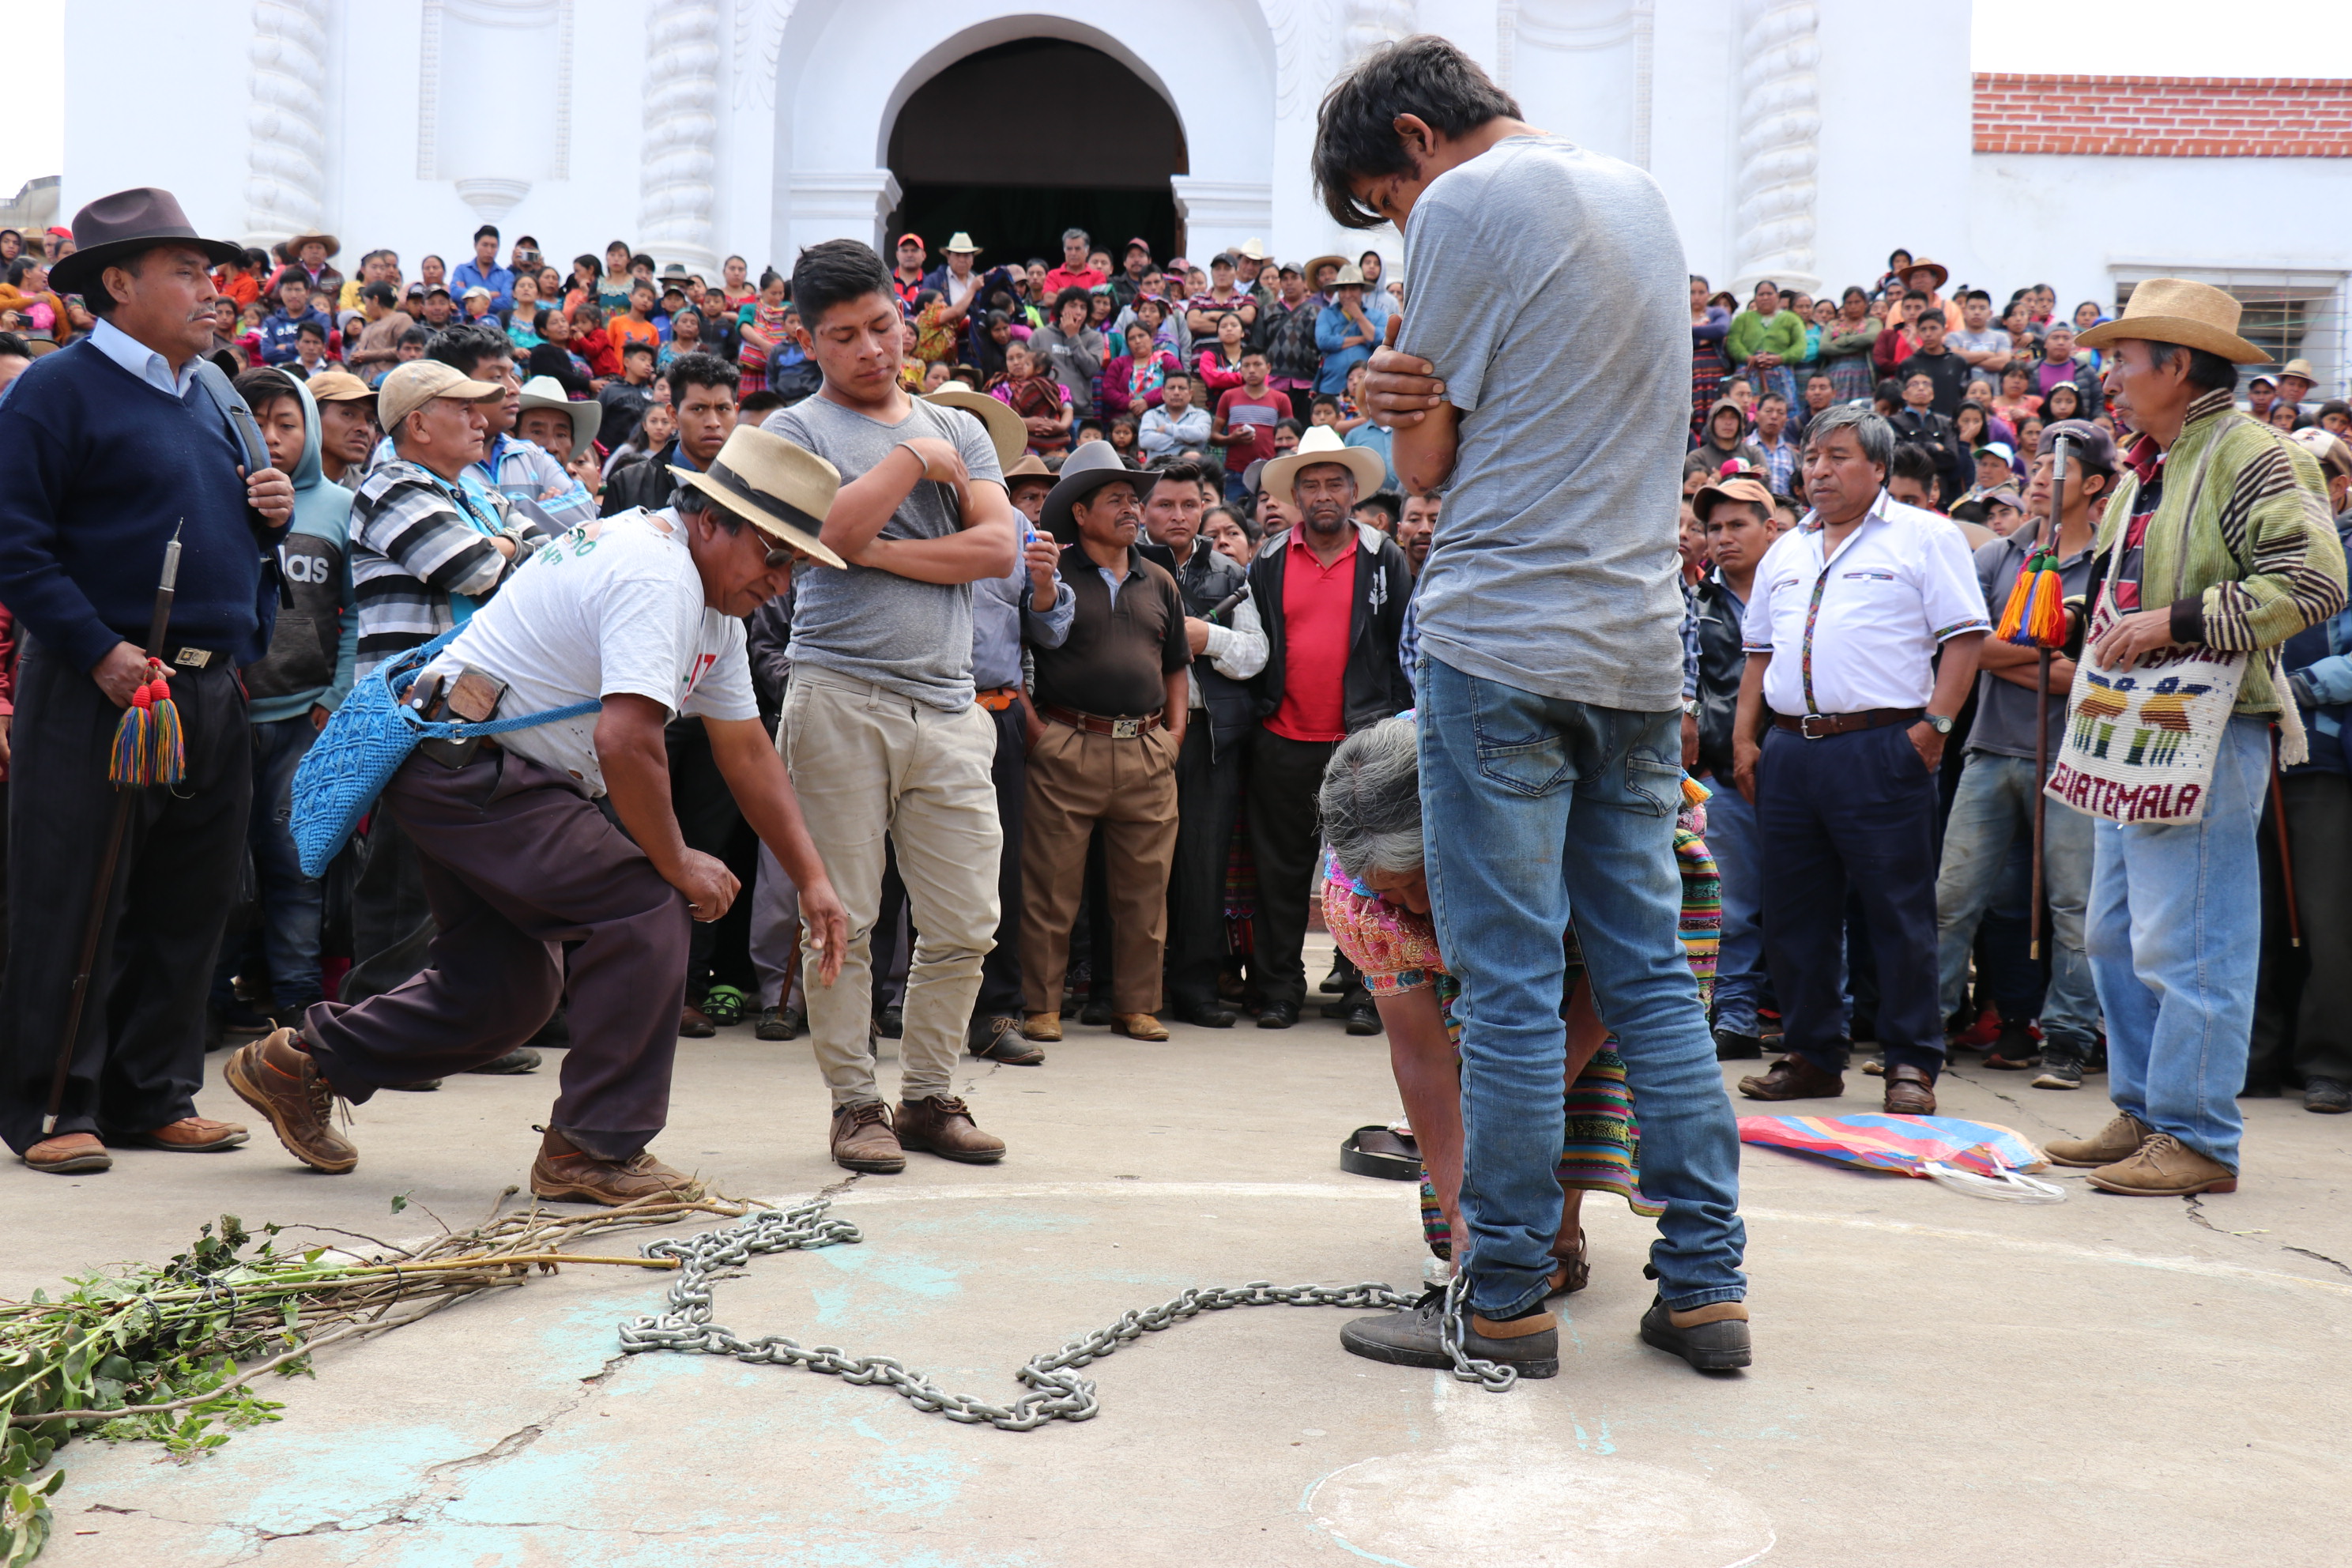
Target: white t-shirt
(613,606)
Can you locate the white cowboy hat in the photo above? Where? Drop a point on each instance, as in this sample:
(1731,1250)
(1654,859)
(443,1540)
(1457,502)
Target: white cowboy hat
(1006,433)
(1253,248)
(960,241)
(546,392)
(1321,444)
(781,490)
(2176,310)
(1350,275)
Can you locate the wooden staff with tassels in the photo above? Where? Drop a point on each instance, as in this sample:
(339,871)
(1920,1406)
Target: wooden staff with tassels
(2035,617)
(149,750)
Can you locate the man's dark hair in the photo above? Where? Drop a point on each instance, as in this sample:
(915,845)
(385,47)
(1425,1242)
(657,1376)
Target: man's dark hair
(260,388)
(1387,505)
(1976,294)
(2208,371)
(636,347)
(14,347)
(699,369)
(757,405)
(642,259)
(1355,130)
(381,293)
(1820,375)
(491,229)
(1061,300)
(310,330)
(642,286)
(1913,461)
(1934,319)
(834,272)
(1322,399)
(463,347)
(1171,467)
(421,336)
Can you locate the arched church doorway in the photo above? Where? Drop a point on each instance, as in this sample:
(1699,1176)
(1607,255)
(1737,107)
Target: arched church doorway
(1016,143)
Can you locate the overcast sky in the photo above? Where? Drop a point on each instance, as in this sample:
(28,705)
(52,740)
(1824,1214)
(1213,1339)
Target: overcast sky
(2149,38)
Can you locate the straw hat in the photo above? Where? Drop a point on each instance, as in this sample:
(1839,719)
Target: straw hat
(1031,466)
(1943,273)
(1348,276)
(546,392)
(1308,272)
(1743,486)
(1006,433)
(411,386)
(2176,310)
(959,243)
(2299,368)
(295,245)
(781,490)
(1321,444)
(1094,465)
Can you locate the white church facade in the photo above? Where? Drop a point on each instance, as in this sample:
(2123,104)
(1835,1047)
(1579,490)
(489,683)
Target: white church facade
(1795,138)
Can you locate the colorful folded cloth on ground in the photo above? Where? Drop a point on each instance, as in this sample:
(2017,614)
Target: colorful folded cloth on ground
(1904,1145)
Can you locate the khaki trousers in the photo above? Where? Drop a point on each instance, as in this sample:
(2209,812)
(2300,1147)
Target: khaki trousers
(865,762)
(1077,780)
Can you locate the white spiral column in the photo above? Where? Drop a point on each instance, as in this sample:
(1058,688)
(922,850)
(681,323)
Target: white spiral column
(1779,142)
(679,182)
(286,190)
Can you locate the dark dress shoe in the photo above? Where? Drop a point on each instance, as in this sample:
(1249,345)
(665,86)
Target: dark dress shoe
(522,1058)
(2326,1096)
(693,1024)
(1909,1092)
(891,1023)
(1795,1077)
(1735,1048)
(1278,1015)
(1363,1018)
(1095,1013)
(1206,1014)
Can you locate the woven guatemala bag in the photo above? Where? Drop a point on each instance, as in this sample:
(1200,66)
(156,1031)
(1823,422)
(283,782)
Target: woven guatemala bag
(2140,741)
(363,745)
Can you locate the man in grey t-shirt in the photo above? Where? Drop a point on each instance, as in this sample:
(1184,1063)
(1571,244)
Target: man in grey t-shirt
(879,728)
(1541,382)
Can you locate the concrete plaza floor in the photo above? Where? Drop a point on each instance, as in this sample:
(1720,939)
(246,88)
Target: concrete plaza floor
(1939,1380)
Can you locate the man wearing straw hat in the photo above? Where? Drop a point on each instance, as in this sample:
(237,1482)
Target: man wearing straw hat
(639,612)
(2218,536)
(113,448)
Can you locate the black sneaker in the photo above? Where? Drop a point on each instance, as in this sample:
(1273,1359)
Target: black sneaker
(2327,1095)
(1097,1014)
(521,1059)
(1720,1346)
(1363,1018)
(780,1024)
(1416,1337)
(2060,1069)
(1339,980)
(891,1023)
(2015,1050)
(1730,1047)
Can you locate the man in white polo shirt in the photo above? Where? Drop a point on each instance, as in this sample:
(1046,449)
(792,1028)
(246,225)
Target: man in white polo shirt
(1842,713)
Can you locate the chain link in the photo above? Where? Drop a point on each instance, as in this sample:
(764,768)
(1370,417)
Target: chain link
(1060,1394)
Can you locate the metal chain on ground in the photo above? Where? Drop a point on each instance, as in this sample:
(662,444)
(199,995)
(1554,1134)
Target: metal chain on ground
(1061,1395)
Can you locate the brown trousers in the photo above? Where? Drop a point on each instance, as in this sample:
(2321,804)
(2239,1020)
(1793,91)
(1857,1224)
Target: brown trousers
(1077,780)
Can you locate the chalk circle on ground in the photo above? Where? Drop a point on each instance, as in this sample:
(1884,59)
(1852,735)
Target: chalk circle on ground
(1472,1503)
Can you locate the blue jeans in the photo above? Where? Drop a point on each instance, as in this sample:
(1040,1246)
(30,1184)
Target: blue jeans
(2175,940)
(1740,978)
(1992,812)
(288,905)
(1539,810)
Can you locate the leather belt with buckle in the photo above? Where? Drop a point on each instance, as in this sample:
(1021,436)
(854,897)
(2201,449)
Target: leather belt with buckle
(1117,729)
(1822,726)
(190,657)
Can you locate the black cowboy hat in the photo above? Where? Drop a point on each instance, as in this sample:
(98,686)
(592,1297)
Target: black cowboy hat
(113,228)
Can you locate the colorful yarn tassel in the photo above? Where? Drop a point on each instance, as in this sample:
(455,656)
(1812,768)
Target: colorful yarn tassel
(149,747)
(1695,792)
(2035,615)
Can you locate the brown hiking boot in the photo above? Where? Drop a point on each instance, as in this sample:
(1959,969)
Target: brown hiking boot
(562,1173)
(1909,1092)
(2164,1167)
(277,1078)
(942,1125)
(2118,1140)
(1795,1077)
(69,1154)
(862,1139)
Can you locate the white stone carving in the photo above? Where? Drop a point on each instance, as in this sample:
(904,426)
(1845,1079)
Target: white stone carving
(1779,142)
(1368,24)
(759,48)
(677,183)
(286,190)
(1527,30)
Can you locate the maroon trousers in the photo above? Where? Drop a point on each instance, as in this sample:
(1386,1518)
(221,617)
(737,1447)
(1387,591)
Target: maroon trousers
(516,864)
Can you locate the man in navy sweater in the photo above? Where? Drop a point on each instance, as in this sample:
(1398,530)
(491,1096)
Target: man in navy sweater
(111,447)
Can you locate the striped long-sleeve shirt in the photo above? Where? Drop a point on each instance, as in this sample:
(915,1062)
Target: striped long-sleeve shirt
(415,540)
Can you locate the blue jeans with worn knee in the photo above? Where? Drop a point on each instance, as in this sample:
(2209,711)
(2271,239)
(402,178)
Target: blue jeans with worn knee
(1537,811)
(2175,938)
(1993,811)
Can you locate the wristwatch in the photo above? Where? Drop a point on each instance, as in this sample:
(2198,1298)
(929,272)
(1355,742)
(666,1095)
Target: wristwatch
(1939,723)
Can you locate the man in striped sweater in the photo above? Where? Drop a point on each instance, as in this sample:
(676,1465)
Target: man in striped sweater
(2218,536)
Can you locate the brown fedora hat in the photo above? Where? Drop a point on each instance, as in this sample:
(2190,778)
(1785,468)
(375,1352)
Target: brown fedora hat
(114,228)
(2176,311)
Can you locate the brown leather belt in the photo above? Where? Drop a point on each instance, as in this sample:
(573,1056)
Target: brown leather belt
(1117,729)
(997,699)
(1822,726)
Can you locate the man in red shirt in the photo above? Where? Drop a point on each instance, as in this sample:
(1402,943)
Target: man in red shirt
(1074,271)
(907,281)
(1244,424)
(1331,595)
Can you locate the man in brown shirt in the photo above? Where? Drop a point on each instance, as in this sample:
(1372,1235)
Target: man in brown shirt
(1113,701)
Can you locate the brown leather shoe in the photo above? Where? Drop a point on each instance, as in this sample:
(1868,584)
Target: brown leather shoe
(562,1173)
(277,1078)
(1046,1028)
(191,1135)
(1795,1077)
(1909,1092)
(69,1154)
(863,1140)
(693,1023)
(2118,1140)
(942,1125)
(2164,1167)
(1137,1026)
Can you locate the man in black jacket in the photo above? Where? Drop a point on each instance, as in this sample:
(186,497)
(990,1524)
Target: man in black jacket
(702,396)
(1228,648)
(1332,595)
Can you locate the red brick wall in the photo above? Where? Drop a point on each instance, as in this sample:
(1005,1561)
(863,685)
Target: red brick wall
(2164,116)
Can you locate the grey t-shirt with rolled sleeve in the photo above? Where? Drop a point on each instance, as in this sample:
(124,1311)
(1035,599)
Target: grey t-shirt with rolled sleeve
(1547,287)
(913,638)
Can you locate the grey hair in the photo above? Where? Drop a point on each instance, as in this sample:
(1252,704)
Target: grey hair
(1371,800)
(1869,426)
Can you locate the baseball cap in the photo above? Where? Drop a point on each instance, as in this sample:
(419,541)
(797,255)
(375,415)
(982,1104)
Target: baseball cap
(413,385)
(2003,495)
(2334,458)
(480,292)
(2000,450)
(1142,245)
(2094,448)
(911,238)
(339,386)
